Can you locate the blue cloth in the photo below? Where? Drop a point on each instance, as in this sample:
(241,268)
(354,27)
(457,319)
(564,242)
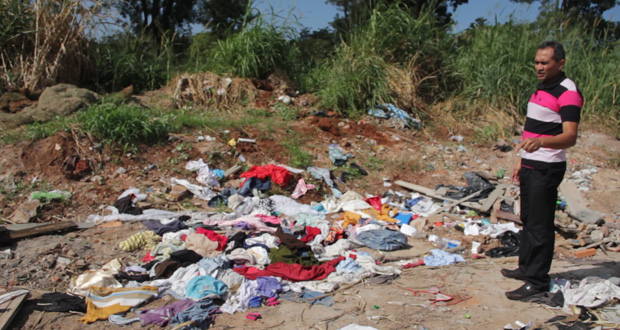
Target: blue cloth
(383,239)
(389,110)
(255,301)
(325,301)
(442,258)
(349,265)
(297,297)
(203,314)
(210,264)
(411,202)
(254,183)
(268,286)
(337,156)
(218,172)
(403,218)
(203,286)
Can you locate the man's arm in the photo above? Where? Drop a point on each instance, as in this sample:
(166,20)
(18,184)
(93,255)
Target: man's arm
(566,139)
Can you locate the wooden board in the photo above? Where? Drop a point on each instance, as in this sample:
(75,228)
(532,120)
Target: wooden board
(9,310)
(488,202)
(42,230)
(576,207)
(432,193)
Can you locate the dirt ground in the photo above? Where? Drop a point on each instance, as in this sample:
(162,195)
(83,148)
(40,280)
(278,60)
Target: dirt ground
(423,157)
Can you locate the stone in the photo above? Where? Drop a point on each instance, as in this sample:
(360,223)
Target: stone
(26,211)
(58,100)
(179,193)
(596,235)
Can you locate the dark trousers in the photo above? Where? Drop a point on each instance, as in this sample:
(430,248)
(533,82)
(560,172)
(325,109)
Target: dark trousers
(539,193)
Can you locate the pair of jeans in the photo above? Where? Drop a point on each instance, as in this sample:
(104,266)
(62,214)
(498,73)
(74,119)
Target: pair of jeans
(539,193)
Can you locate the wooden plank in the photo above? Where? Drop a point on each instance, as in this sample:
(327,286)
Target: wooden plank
(433,194)
(9,309)
(454,203)
(576,207)
(507,216)
(42,230)
(497,193)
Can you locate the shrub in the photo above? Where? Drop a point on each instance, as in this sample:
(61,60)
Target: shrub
(125,125)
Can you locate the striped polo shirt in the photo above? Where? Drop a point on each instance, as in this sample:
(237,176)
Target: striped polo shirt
(553,103)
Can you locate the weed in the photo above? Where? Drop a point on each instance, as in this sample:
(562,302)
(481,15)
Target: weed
(374,164)
(37,131)
(124,125)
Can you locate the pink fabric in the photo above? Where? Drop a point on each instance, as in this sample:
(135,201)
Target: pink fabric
(527,134)
(570,98)
(291,272)
(278,174)
(269,218)
(546,100)
(215,237)
(375,202)
(311,233)
(301,188)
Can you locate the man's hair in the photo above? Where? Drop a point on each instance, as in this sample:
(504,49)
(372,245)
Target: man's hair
(558,50)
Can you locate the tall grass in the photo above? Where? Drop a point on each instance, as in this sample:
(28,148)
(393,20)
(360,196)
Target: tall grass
(494,65)
(124,59)
(44,42)
(255,52)
(358,76)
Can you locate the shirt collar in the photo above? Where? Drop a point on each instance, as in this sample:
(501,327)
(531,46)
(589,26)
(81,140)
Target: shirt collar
(553,82)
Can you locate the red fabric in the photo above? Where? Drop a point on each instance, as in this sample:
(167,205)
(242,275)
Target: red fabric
(278,174)
(375,202)
(416,263)
(291,272)
(148,257)
(220,239)
(311,232)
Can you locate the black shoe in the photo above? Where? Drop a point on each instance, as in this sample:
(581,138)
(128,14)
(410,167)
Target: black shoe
(525,291)
(516,274)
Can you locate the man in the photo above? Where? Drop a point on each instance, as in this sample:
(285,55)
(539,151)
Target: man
(553,114)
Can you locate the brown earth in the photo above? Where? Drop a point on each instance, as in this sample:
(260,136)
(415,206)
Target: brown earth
(424,157)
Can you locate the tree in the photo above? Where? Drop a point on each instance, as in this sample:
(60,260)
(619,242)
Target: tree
(575,8)
(356,12)
(157,17)
(587,13)
(224,17)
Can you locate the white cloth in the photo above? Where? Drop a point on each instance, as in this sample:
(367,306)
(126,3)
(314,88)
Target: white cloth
(240,300)
(291,207)
(255,256)
(592,292)
(148,214)
(496,229)
(267,239)
(204,175)
(199,191)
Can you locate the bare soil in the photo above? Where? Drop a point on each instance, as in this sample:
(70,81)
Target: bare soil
(424,157)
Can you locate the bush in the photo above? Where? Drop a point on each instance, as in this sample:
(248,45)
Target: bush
(357,77)
(125,125)
(255,52)
(124,59)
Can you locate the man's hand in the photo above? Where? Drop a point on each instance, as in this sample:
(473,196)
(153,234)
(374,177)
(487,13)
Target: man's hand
(516,177)
(530,144)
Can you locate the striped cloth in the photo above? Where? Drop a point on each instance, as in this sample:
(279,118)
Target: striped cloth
(103,302)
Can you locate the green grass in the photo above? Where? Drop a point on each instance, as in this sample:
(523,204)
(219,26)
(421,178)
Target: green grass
(124,125)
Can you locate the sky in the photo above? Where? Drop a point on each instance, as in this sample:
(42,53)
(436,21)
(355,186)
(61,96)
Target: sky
(316,14)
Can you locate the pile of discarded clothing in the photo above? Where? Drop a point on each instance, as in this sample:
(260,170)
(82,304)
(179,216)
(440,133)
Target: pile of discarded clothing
(265,249)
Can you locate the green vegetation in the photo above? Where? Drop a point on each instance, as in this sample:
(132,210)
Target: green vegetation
(403,52)
(125,125)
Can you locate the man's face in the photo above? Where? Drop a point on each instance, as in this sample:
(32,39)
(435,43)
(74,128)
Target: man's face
(546,67)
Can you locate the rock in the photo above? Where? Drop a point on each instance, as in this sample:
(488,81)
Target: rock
(596,235)
(26,211)
(179,193)
(59,100)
